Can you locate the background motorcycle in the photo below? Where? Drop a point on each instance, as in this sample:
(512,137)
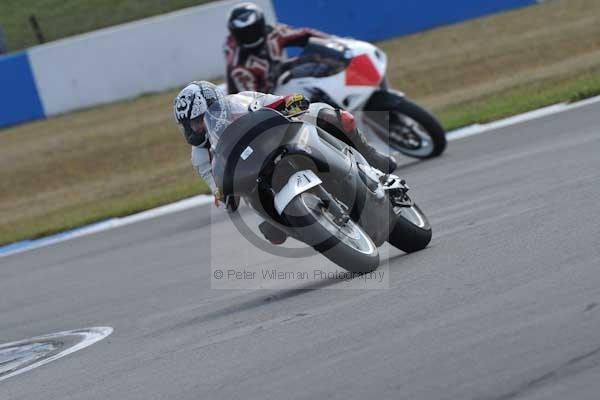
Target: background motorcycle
(350,74)
(315,188)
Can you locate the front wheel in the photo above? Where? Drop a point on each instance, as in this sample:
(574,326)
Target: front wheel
(412,231)
(408,128)
(341,240)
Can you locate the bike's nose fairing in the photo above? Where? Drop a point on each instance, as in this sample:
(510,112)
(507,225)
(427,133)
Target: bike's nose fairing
(244,147)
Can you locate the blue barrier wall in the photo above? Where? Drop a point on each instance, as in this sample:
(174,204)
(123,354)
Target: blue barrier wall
(19,99)
(378,20)
(23,96)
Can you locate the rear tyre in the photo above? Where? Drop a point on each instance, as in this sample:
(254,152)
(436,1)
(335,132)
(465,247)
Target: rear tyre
(346,244)
(412,231)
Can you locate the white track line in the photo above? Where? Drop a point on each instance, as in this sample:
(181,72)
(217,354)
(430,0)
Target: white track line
(181,205)
(477,129)
(196,201)
(89,337)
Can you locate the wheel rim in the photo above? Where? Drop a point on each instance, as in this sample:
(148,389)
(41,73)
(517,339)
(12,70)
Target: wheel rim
(413,214)
(409,137)
(350,233)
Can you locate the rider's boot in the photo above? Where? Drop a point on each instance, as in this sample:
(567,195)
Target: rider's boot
(383,162)
(341,124)
(272,233)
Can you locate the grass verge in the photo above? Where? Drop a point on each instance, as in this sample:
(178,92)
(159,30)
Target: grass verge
(523,98)
(122,158)
(87,213)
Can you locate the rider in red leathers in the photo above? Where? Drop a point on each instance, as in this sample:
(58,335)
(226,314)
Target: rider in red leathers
(253,49)
(253,53)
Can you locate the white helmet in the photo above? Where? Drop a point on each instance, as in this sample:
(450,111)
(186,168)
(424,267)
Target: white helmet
(191,103)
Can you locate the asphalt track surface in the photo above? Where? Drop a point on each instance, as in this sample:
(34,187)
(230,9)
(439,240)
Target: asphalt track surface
(504,303)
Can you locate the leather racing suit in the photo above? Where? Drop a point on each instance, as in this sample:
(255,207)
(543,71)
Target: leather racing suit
(256,69)
(339,123)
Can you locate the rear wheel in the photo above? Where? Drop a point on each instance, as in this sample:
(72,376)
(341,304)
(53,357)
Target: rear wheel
(412,231)
(341,240)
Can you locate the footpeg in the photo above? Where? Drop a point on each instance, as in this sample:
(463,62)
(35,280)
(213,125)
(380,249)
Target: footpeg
(391,182)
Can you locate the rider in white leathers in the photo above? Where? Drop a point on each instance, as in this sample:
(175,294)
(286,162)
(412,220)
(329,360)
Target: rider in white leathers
(203,112)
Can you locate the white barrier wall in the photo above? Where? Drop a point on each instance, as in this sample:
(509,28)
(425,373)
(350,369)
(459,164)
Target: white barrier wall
(126,61)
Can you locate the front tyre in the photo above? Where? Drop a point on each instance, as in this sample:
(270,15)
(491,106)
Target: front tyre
(343,242)
(412,231)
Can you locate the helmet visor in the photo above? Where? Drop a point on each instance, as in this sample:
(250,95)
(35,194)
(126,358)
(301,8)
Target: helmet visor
(251,35)
(194,131)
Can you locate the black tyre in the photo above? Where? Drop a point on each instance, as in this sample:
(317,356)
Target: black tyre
(412,231)
(410,129)
(345,244)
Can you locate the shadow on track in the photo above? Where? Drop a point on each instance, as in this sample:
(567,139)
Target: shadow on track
(257,302)
(243,306)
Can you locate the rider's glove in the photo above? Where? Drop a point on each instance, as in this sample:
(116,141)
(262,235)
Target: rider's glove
(295,104)
(231,203)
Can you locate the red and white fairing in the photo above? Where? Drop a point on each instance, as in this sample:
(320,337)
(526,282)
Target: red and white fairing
(352,87)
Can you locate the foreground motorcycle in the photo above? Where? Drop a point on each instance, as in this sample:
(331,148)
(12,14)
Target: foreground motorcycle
(350,74)
(315,188)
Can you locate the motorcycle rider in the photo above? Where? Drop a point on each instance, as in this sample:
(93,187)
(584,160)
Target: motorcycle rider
(254,49)
(202,97)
